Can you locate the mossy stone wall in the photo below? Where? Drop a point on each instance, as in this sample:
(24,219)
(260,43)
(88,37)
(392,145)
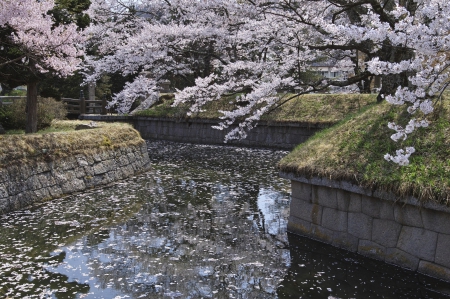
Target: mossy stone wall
(24,184)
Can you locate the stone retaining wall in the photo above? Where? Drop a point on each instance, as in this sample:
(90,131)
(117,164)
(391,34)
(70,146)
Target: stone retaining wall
(265,134)
(22,185)
(373,224)
(275,135)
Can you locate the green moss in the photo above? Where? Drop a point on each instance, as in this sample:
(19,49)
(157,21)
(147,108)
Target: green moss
(353,150)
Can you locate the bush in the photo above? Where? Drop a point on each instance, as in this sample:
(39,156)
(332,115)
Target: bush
(13,117)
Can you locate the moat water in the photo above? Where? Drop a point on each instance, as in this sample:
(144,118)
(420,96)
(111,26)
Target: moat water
(205,222)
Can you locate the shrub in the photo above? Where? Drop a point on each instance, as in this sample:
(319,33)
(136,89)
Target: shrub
(13,116)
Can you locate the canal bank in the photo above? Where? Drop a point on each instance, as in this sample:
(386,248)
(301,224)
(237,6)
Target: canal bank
(205,221)
(374,224)
(41,167)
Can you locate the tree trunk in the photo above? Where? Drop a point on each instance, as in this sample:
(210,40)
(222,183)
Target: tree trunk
(31,108)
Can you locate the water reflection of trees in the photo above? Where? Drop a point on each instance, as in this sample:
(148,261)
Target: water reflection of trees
(213,249)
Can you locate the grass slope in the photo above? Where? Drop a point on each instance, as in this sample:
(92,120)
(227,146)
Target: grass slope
(353,150)
(312,108)
(61,140)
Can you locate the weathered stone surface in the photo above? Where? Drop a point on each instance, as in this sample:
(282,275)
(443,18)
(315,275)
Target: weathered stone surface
(26,184)
(345,240)
(408,215)
(4,175)
(299,226)
(434,270)
(386,232)
(82,161)
(371,249)
(436,221)
(324,196)
(301,191)
(305,210)
(343,199)
(355,203)
(443,250)
(334,219)
(403,259)
(360,225)
(387,210)
(3,191)
(371,206)
(321,233)
(418,242)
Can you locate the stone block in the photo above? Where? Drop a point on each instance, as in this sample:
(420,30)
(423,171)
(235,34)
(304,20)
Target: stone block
(103,167)
(385,232)
(299,226)
(3,191)
(25,199)
(371,249)
(343,199)
(443,250)
(79,172)
(306,211)
(14,173)
(33,183)
(434,270)
(324,196)
(418,242)
(400,258)
(301,191)
(436,221)
(371,206)
(42,193)
(345,240)
(55,191)
(360,225)
(82,161)
(408,215)
(387,210)
(25,171)
(68,163)
(355,203)
(4,175)
(42,167)
(46,179)
(334,219)
(321,233)
(73,186)
(4,206)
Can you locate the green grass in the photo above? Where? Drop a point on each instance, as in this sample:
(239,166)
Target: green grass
(353,151)
(312,108)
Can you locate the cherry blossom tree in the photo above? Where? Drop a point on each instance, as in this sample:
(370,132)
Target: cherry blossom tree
(255,48)
(32,45)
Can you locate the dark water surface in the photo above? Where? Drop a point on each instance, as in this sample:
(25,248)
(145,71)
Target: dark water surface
(205,222)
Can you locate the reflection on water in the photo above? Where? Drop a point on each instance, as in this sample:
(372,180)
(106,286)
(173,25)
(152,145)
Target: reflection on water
(205,222)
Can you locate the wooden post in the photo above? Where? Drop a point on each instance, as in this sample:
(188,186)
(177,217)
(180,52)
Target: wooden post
(104,112)
(82,103)
(31,107)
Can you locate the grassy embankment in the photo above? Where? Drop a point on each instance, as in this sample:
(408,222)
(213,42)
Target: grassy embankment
(313,108)
(353,150)
(61,140)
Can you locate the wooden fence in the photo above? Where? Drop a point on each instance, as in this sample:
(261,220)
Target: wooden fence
(83,106)
(74,106)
